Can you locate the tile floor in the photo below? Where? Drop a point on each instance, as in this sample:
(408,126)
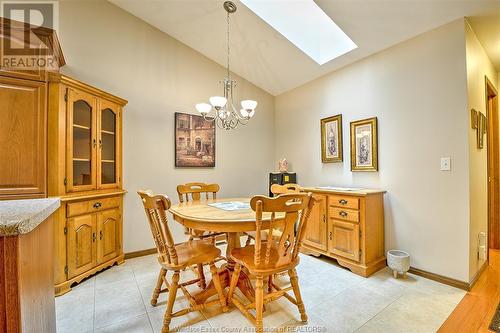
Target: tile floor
(117,300)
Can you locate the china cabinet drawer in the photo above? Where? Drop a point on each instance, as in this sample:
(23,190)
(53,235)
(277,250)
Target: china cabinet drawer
(85,207)
(344,202)
(343,214)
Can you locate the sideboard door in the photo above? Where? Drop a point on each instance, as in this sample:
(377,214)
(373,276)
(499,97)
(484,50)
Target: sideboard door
(82,236)
(315,234)
(108,225)
(344,239)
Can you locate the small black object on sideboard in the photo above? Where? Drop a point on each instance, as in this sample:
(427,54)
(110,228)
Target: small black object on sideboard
(281,178)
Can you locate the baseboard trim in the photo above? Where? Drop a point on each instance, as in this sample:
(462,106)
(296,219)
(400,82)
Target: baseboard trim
(140,253)
(478,274)
(441,279)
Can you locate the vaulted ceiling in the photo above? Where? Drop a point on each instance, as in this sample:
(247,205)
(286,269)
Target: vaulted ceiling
(487,29)
(264,57)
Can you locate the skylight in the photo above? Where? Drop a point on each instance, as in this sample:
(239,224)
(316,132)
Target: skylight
(306,25)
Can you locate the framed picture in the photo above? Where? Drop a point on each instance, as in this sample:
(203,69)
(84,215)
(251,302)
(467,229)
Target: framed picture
(331,139)
(364,145)
(194,141)
(481,129)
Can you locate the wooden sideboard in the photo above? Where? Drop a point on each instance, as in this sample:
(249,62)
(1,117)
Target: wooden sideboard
(349,227)
(85,163)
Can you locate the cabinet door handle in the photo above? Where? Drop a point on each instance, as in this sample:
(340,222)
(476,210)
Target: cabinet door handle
(93,237)
(100,143)
(100,235)
(343,202)
(342,213)
(94,143)
(330,235)
(324,218)
(97,205)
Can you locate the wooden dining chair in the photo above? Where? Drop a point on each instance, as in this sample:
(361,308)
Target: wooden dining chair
(275,255)
(276,189)
(194,192)
(176,258)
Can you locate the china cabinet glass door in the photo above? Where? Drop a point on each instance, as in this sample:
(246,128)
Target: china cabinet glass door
(109,150)
(82,143)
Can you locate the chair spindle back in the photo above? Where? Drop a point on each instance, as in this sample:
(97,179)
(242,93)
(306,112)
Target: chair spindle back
(296,208)
(156,207)
(193,191)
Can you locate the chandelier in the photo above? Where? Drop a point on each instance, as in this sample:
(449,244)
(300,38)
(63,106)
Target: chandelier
(226,115)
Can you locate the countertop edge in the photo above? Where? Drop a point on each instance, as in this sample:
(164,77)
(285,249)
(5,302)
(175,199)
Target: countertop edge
(360,192)
(27,224)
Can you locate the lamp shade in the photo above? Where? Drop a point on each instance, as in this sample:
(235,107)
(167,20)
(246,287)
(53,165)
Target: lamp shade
(218,101)
(203,108)
(248,104)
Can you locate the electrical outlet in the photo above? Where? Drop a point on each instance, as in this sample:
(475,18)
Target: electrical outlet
(445,164)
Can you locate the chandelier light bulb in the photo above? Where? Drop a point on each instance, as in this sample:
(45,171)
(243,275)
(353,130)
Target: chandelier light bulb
(248,104)
(203,108)
(218,101)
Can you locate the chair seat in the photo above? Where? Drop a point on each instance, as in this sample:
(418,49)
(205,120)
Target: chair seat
(245,257)
(194,252)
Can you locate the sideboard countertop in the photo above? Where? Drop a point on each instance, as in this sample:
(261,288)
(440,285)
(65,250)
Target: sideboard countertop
(19,217)
(342,190)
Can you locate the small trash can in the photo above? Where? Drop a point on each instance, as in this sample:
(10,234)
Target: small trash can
(398,261)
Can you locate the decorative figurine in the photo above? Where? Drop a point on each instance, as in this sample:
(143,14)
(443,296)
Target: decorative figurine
(283,165)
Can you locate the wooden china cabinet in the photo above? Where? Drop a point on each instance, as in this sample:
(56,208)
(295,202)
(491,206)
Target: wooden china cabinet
(23,114)
(85,170)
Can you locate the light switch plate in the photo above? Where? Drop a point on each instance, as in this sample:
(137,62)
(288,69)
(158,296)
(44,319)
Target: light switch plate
(445,164)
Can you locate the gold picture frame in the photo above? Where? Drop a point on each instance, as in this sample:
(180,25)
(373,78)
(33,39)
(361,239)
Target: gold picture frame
(331,139)
(364,145)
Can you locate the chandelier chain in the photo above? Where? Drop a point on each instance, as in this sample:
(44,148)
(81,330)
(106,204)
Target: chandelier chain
(228,46)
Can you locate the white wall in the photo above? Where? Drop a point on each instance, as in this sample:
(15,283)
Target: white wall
(418,91)
(478,66)
(115,51)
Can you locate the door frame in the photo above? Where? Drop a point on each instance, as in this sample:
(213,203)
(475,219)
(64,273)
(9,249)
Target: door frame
(492,137)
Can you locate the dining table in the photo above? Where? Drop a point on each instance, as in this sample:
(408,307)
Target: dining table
(232,216)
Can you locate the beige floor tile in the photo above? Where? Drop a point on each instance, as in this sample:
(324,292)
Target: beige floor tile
(313,324)
(440,304)
(117,304)
(139,324)
(75,310)
(356,299)
(400,317)
(338,320)
(385,285)
(114,274)
(78,318)
(350,309)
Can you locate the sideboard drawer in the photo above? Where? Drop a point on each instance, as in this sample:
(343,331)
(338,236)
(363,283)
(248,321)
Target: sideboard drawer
(90,206)
(343,214)
(343,201)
